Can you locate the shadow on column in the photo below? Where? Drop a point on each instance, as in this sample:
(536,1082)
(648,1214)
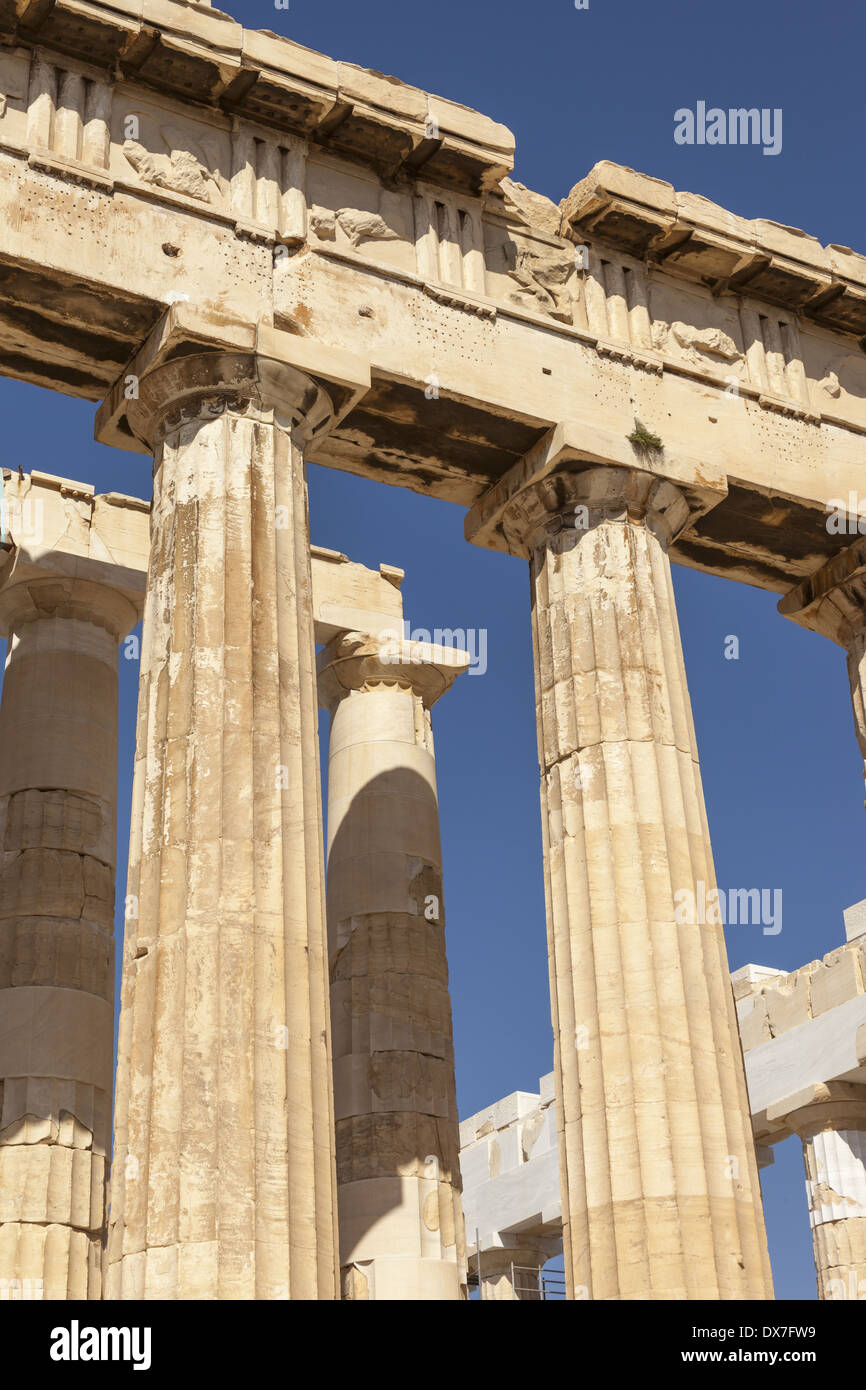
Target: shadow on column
(401,1225)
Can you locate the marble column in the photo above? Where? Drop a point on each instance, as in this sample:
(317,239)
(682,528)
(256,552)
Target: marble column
(401,1220)
(512,1274)
(833,1132)
(660,1190)
(224,1183)
(58,794)
(832,602)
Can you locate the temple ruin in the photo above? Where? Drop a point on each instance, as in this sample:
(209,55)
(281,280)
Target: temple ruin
(248,256)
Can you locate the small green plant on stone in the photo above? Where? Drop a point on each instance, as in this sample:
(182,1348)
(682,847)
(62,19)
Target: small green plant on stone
(642,438)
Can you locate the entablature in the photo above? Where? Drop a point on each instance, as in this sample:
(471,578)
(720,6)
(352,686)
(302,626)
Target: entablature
(155,154)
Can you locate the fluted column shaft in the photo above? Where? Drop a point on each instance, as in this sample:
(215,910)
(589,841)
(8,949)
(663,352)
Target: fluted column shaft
(835,1161)
(58,793)
(224,1182)
(660,1191)
(833,1133)
(399,1191)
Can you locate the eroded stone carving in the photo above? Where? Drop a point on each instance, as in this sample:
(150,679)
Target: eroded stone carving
(187,168)
(830,384)
(364,226)
(532,208)
(323,224)
(542,273)
(696,344)
(846,376)
(541,270)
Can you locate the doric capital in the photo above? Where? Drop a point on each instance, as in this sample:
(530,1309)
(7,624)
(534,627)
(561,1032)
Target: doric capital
(30,599)
(360,662)
(513,1272)
(557,509)
(68,553)
(832,601)
(826,1105)
(575,478)
(206,385)
(198,363)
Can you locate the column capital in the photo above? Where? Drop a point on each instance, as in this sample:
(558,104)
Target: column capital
(827,1105)
(205,385)
(197,364)
(556,510)
(357,661)
(71,553)
(64,596)
(832,601)
(537,501)
(528,1248)
(507,1270)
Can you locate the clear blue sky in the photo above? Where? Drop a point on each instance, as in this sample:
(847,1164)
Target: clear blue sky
(782,774)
